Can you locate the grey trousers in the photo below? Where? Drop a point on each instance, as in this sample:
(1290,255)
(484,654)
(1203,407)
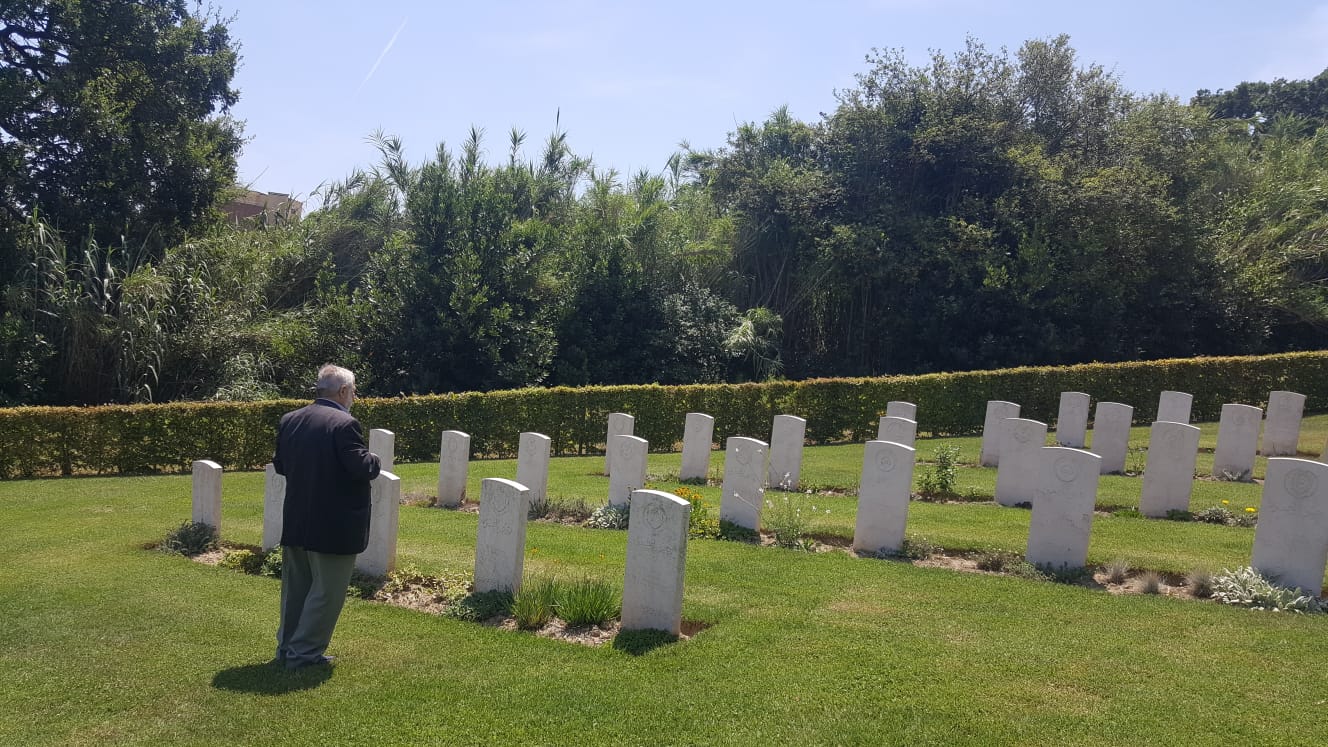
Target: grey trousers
(313,591)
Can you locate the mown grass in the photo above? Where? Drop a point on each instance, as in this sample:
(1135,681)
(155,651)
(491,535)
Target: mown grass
(106,643)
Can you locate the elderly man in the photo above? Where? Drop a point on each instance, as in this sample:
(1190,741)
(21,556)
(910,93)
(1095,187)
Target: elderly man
(325,521)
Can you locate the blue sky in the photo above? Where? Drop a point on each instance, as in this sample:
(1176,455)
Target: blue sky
(631,80)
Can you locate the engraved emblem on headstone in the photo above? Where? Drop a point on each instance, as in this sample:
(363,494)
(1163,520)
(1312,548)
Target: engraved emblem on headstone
(655,516)
(742,455)
(885,462)
(1066,469)
(1301,483)
(1022,434)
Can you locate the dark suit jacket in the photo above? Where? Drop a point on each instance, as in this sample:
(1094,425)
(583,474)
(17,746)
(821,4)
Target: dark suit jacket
(321,451)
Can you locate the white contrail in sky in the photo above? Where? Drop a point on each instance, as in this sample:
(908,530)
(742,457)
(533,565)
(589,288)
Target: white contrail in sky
(382,54)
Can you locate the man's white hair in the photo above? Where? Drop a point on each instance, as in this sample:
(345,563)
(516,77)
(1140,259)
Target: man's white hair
(331,378)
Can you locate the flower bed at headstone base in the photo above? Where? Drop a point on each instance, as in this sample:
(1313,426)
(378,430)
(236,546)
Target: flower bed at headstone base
(130,439)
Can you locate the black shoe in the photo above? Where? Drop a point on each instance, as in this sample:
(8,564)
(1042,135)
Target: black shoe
(322,661)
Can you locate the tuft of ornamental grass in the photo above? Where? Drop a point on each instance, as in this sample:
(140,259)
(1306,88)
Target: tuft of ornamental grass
(1151,583)
(1117,571)
(534,606)
(588,601)
(1200,581)
(556,508)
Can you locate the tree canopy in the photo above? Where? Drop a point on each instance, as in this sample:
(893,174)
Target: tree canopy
(983,209)
(109,121)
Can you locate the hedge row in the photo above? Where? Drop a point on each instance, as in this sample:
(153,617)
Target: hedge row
(36,441)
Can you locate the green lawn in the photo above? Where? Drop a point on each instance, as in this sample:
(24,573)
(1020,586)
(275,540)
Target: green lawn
(104,642)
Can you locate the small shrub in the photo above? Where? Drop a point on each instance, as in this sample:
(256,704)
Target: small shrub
(362,585)
(701,523)
(1009,563)
(737,532)
(271,563)
(558,509)
(534,606)
(788,519)
(1116,571)
(480,606)
(588,601)
(610,516)
(448,588)
(1246,587)
(1177,514)
(996,560)
(1200,581)
(694,481)
(1062,574)
(939,480)
(191,538)
(1223,515)
(917,547)
(1151,583)
(1127,513)
(245,561)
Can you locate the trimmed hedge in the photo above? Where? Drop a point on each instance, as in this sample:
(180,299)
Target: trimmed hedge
(127,439)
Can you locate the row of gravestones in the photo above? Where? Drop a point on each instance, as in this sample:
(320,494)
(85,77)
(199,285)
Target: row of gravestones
(1058,533)
(656,541)
(1237,438)
(1060,483)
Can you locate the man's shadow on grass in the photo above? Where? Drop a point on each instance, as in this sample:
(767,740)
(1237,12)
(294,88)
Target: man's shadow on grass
(268,679)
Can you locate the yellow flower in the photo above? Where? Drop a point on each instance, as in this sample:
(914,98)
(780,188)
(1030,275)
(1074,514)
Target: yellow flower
(1225,502)
(1249,509)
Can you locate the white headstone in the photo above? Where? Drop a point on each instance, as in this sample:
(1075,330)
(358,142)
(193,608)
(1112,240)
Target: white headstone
(384,444)
(1062,519)
(883,493)
(629,468)
(744,481)
(656,562)
(1281,430)
(1237,442)
(453,465)
(696,439)
(1017,474)
(992,427)
(500,547)
(207,494)
(786,438)
(274,502)
(620,424)
(897,430)
(1291,538)
(1174,407)
(1173,449)
(1111,435)
(1072,420)
(901,409)
(532,466)
(380,557)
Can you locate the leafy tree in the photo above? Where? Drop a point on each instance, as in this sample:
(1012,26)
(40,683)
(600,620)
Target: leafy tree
(1260,100)
(108,118)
